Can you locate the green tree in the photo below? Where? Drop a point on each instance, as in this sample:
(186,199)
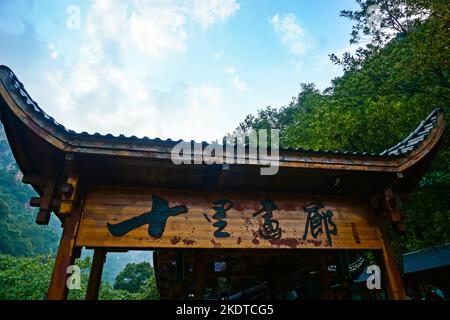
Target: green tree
(134,277)
(24,278)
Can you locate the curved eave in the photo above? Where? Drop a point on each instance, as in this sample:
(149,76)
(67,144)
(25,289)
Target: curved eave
(399,158)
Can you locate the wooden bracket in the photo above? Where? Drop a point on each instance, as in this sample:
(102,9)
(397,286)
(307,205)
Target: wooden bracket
(45,203)
(35,202)
(393,212)
(45,208)
(69,189)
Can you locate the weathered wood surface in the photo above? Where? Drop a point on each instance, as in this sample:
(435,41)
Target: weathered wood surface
(356,226)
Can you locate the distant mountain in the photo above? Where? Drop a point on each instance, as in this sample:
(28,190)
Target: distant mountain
(19,234)
(6,157)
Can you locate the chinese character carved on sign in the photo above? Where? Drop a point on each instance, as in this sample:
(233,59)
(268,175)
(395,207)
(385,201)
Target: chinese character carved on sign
(156,218)
(317,221)
(220,207)
(270,230)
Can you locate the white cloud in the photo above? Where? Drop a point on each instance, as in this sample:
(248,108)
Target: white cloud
(152,29)
(209,12)
(124,104)
(203,95)
(53,51)
(108,86)
(290,33)
(229,70)
(155,28)
(235,79)
(196,115)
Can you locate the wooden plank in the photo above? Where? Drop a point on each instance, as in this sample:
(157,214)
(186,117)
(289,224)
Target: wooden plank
(193,230)
(95,277)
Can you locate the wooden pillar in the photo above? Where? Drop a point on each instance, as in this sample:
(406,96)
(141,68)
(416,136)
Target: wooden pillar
(95,277)
(67,253)
(199,274)
(70,210)
(393,278)
(324,278)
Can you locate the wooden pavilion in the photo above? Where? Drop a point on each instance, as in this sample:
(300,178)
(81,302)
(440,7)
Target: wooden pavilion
(222,230)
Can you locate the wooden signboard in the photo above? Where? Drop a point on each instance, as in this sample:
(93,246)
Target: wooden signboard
(146,218)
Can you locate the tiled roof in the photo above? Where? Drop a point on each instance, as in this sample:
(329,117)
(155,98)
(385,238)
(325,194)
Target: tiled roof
(404,147)
(415,137)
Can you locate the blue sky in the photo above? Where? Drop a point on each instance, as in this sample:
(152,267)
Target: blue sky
(189,69)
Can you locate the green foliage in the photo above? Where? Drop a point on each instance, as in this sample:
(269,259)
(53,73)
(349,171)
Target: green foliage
(107,292)
(134,277)
(28,278)
(388,87)
(24,278)
(149,291)
(428,212)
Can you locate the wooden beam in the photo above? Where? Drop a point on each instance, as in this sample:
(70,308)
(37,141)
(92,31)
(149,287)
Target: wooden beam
(35,202)
(95,277)
(199,274)
(394,282)
(34,179)
(392,209)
